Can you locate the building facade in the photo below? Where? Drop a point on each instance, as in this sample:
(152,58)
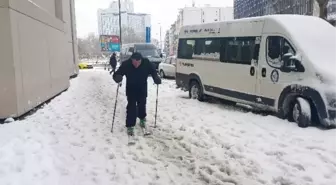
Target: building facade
(253,8)
(126,6)
(134,24)
(331,8)
(38,52)
(196,15)
(199,15)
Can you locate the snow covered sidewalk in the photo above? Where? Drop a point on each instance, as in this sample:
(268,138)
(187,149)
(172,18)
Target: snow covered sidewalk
(69,142)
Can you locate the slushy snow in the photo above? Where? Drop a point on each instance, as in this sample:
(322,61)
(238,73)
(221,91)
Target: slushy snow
(68,142)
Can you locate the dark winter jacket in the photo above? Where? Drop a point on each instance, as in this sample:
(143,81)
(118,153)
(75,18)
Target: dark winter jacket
(136,78)
(113,61)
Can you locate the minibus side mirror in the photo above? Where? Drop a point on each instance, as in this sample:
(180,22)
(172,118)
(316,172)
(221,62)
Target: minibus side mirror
(292,65)
(298,65)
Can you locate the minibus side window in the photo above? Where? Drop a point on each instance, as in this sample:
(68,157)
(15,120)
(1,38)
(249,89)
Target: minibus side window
(185,48)
(239,50)
(204,49)
(278,48)
(207,49)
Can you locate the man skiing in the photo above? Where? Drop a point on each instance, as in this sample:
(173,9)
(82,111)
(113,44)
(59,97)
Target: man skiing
(136,69)
(113,62)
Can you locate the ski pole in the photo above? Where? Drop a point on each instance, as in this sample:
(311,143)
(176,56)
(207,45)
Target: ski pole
(115,107)
(156,106)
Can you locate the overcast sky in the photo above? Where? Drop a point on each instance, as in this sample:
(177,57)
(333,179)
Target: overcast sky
(162,11)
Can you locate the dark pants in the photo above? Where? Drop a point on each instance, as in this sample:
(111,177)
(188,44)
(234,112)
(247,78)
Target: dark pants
(136,107)
(113,69)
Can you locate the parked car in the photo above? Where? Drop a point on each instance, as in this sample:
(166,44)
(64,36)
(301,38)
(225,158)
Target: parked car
(85,65)
(167,68)
(146,49)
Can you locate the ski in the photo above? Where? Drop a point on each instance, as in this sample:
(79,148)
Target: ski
(131,140)
(146,132)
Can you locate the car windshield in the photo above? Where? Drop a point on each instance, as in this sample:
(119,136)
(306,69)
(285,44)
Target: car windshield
(149,53)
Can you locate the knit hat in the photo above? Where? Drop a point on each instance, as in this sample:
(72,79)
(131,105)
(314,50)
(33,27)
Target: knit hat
(136,56)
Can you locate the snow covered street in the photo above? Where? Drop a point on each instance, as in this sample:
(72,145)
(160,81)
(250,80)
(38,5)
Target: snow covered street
(68,142)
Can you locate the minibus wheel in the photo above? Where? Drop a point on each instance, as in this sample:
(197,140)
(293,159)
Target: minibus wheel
(195,91)
(300,112)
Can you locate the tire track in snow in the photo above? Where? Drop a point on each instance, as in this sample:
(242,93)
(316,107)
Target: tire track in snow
(195,143)
(140,154)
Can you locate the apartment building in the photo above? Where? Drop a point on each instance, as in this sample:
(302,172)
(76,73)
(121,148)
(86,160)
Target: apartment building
(253,8)
(331,8)
(196,15)
(38,52)
(108,19)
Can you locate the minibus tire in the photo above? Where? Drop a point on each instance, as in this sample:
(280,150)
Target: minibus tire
(303,120)
(200,90)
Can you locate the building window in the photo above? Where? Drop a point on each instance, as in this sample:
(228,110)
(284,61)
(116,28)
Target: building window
(59,9)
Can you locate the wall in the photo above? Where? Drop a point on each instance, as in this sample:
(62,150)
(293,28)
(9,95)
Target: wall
(47,5)
(226,14)
(7,75)
(191,16)
(210,14)
(199,15)
(68,16)
(34,55)
(75,55)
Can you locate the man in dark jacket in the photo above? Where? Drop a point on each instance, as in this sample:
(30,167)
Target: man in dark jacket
(113,62)
(136,69)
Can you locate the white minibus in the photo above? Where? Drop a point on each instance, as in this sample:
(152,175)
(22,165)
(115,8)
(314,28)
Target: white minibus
(281,63)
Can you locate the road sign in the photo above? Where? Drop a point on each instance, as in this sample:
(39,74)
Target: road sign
(109,43)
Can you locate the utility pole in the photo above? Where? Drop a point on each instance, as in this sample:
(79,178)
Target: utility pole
(120,31)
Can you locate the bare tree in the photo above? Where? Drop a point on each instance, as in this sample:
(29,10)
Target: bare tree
(166,42)
(323,8)
(89,47)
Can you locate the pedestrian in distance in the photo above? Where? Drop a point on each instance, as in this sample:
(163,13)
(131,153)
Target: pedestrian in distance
(113,62)
(136,69)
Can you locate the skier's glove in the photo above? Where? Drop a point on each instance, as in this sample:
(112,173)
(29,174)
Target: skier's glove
(117,78)
(157,81)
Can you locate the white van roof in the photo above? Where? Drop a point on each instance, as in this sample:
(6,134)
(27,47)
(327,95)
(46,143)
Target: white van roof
(252,26)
